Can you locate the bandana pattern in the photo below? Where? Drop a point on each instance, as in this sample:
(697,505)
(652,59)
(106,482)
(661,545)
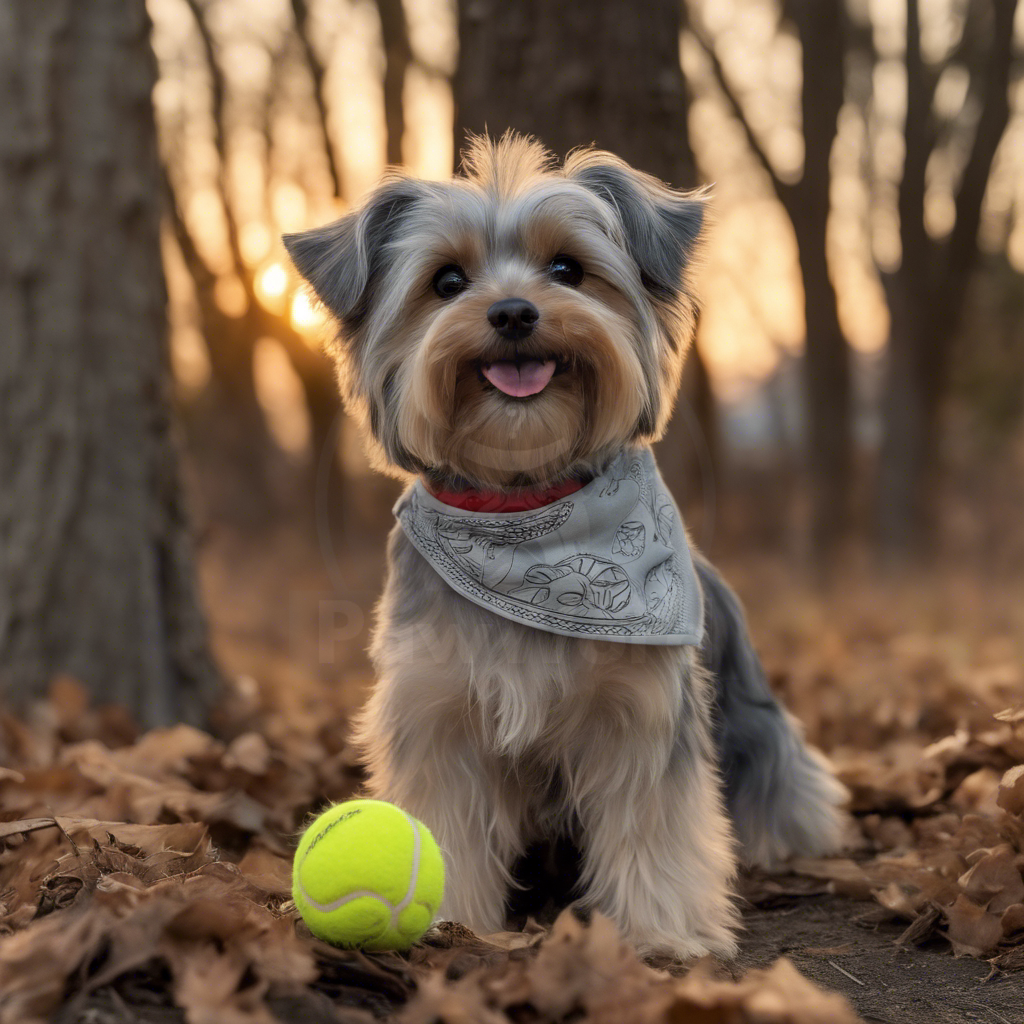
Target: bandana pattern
(610,561)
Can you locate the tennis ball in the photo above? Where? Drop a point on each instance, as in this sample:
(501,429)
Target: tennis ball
(368,875)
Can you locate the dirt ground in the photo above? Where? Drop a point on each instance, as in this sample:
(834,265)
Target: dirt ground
(145,878)
(886,983)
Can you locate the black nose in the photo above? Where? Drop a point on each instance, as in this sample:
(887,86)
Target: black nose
(513,318)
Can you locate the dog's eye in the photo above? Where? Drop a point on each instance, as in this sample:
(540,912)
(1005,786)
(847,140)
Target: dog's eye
(450,280)
(565,270)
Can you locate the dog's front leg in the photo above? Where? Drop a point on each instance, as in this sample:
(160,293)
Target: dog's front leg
(658,858)
(422,755)
(657,847)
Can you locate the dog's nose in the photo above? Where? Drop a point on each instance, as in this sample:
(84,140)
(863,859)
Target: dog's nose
(513,318)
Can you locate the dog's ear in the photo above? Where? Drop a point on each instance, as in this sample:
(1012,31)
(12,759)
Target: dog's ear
(661,226)
(343,261)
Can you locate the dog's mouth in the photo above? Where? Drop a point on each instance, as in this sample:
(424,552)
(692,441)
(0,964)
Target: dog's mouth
(521,378)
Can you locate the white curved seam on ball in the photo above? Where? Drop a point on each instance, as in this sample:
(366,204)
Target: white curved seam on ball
(329,908)
(414,873)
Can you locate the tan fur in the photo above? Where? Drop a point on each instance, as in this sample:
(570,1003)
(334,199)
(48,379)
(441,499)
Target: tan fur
(493,733)
(473,716)
(503,223)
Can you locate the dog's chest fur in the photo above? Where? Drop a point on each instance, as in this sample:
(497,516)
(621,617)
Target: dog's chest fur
(528,695)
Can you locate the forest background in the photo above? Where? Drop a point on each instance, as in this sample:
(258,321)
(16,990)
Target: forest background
(190,531)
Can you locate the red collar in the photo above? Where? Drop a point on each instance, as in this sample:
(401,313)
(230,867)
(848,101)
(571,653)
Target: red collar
(473,500)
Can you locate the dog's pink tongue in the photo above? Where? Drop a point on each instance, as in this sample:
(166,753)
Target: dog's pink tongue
(519,380)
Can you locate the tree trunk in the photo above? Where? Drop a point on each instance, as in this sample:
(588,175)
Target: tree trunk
(826,354)
(927,292)
(225,427)
(575,74)
(826,381)
(906,479)
(397,56)
(97,574)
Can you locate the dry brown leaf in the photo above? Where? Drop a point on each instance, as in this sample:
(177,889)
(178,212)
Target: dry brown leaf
(514,940)
(163,752)
(903,901)
(995,879)
(1011,790)
(69,701)
(846,876)
(921,929)
(250,753)
(779,995)
(977,792)
(24,826)
(36,962)
(1013,919)
(972,930)
(267,870)
(587,972)
(1013,714)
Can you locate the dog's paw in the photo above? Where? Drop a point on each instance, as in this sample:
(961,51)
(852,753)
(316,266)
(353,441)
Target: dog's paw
(664,951)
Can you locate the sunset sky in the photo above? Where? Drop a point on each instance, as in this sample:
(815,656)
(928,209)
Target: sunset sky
(749,282)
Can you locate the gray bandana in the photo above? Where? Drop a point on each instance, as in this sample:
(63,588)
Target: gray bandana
(610,561)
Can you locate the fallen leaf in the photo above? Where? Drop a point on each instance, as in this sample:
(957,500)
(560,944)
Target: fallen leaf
(1013,919)
(995,879)
(972,930)
(1011,790)
(1013,714)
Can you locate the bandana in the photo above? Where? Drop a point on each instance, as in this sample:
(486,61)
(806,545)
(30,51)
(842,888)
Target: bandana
(609,561)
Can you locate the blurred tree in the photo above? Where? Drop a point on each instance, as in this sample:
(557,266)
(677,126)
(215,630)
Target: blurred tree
(576,74)
(820,27)
(927,291)
(397,58)
(580,74)
(230,410)
(316,70)
(96,570)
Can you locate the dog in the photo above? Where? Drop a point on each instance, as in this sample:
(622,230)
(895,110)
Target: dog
(512,341)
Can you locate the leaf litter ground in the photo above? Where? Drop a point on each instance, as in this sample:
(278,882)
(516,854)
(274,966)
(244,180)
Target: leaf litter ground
(146,877)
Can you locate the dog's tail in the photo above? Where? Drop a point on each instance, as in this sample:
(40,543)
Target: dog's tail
(781,794)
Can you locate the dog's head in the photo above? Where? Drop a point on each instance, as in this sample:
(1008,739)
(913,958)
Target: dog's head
(515,325)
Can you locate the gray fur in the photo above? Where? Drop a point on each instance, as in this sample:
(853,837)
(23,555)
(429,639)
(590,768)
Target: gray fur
(493,733)
(497,735)
(661,226)
(342,261)
(781,796)
(372,270)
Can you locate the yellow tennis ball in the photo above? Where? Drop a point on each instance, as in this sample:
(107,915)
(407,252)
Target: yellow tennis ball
(368,875)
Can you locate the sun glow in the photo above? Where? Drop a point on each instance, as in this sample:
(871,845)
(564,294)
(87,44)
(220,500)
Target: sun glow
(272,287)
(306,318)
(274,280)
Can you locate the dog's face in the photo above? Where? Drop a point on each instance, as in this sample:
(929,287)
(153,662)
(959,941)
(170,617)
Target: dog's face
(514,325)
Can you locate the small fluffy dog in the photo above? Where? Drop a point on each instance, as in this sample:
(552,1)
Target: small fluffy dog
(512,341)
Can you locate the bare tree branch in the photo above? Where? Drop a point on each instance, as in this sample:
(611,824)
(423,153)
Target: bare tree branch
(218,88)
(917,147)
(397,57)
(300,11)
(202,276)
(782,189)
(217,84)
(995,113)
